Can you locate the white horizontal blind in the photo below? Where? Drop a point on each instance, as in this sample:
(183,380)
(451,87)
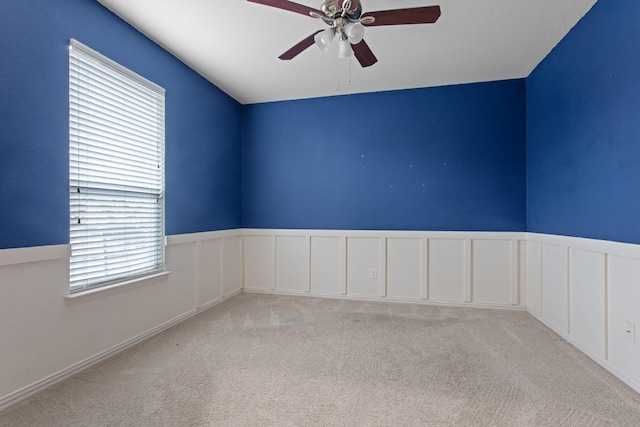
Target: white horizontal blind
(116,171)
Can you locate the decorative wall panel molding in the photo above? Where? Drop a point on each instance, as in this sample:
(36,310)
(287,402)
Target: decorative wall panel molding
(586,290)
(461,268)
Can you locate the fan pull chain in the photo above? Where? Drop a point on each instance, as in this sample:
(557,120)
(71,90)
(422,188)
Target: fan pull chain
(343,74)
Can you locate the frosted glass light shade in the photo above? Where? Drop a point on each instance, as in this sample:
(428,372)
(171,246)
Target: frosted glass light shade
(355,32)
(344,49)
(324,38)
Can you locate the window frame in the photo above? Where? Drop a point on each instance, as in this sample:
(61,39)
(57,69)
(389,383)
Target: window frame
(155,187)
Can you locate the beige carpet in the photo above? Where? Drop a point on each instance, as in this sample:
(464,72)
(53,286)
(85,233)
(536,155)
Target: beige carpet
(263,360)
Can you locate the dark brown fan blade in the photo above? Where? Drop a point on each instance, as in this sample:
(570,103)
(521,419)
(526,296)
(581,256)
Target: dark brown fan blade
(288,5)
(416,15)
(363,53)
(297,49)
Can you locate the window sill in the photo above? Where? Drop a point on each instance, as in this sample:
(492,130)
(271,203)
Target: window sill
(115,288)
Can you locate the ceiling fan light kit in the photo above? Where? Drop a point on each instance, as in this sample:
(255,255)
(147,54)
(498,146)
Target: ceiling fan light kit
(351,33)
(347,22)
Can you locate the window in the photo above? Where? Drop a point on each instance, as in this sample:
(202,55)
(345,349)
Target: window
(116,159)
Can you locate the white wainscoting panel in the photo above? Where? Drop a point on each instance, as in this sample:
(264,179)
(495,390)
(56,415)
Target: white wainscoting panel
(447,270)
(210,278)
(404,268)
(182,284)
(259,262)
(534,277)
(555,286)
(363,266)
(588,300)
(328,268)
(623,307)
(492,268)
(233,265)
(522,272)
(292,263)
(590,289)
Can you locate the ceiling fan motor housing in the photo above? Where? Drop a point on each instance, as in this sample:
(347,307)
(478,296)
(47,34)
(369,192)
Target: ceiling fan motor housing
(332,8)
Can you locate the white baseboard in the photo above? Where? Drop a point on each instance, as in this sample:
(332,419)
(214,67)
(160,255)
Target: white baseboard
(218,301)
(51,380)
(388,299)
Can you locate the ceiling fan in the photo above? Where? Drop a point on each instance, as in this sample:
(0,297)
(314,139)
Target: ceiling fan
(346,23)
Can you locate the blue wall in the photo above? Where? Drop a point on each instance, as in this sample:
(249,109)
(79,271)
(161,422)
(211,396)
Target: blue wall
(447,158)
(583,129)
(203,170)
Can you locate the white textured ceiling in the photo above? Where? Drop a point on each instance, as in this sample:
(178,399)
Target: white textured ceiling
(235,44)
